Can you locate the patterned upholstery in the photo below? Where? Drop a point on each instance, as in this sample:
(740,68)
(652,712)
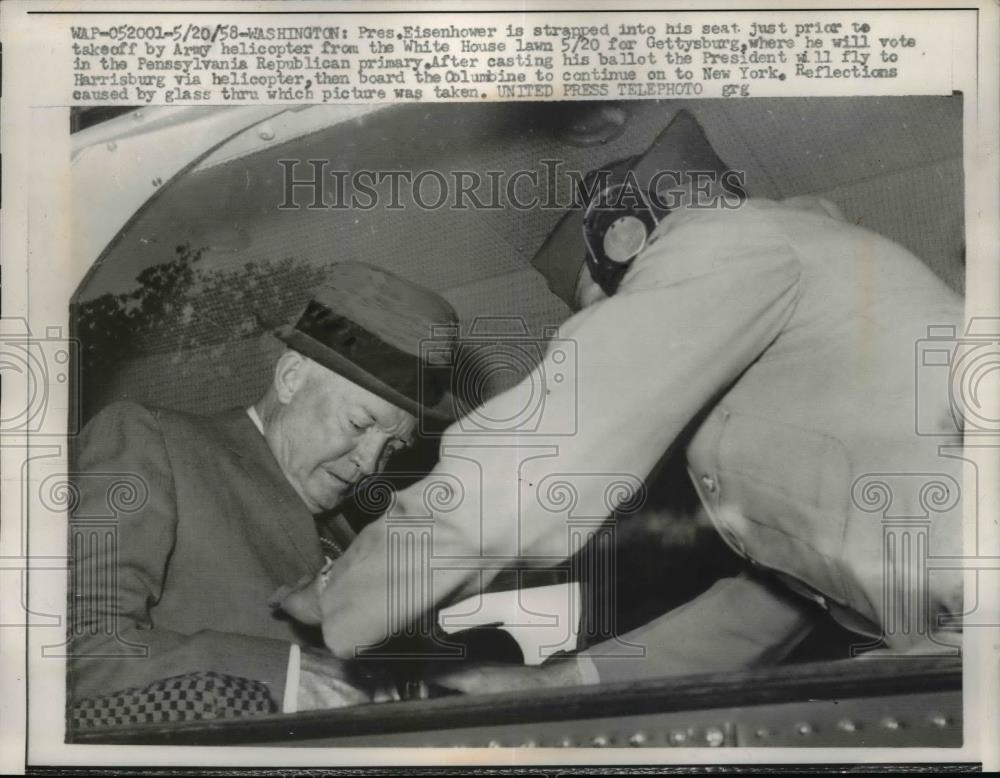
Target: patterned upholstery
(190,697)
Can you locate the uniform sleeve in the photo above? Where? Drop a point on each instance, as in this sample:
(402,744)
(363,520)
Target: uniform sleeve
(622,382)
(115,642)
(738,624)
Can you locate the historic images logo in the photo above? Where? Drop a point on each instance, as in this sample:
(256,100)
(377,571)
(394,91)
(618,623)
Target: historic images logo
(313,184)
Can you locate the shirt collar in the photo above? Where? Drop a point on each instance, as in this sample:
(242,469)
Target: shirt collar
(255,418)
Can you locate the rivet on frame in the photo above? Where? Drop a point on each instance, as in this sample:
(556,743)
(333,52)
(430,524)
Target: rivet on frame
(763,732)
(715,737)
(599,741)
(678,737)
(637,739)
(846,725)
(494,744)
(804,728)
(939,720)
(891,723)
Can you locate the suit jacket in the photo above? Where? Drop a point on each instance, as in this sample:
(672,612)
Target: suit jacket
(184,584)
(778,345)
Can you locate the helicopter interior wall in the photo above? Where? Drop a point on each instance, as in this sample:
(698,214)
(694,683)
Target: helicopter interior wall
(169,316)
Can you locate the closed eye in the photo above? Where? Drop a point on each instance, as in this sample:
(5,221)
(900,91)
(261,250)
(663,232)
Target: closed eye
(359,426)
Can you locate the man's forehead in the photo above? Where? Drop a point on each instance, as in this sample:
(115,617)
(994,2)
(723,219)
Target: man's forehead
(387,415)
(391,418)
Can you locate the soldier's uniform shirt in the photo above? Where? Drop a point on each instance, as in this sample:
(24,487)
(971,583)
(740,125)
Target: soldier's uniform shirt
(777,343)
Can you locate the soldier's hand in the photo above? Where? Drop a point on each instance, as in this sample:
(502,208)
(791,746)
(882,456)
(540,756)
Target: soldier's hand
(301,600)
(487,677)
(324,682)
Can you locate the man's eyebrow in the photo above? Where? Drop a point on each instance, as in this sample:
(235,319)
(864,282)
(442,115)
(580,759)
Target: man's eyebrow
(386,427)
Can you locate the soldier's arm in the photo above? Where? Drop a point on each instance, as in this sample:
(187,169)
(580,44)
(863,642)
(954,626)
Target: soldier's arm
(691,316)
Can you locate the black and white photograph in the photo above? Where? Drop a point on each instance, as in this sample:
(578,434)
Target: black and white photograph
(544,389)
(439,418)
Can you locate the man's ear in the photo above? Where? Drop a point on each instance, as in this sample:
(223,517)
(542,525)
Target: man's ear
(289,375)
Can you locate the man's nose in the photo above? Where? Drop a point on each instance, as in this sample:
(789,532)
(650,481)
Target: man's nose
(368,452)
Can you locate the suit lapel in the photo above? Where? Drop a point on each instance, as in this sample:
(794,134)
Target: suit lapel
(278,501)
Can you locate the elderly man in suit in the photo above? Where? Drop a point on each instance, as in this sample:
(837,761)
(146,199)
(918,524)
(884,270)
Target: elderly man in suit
(229,514)
(773,343)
